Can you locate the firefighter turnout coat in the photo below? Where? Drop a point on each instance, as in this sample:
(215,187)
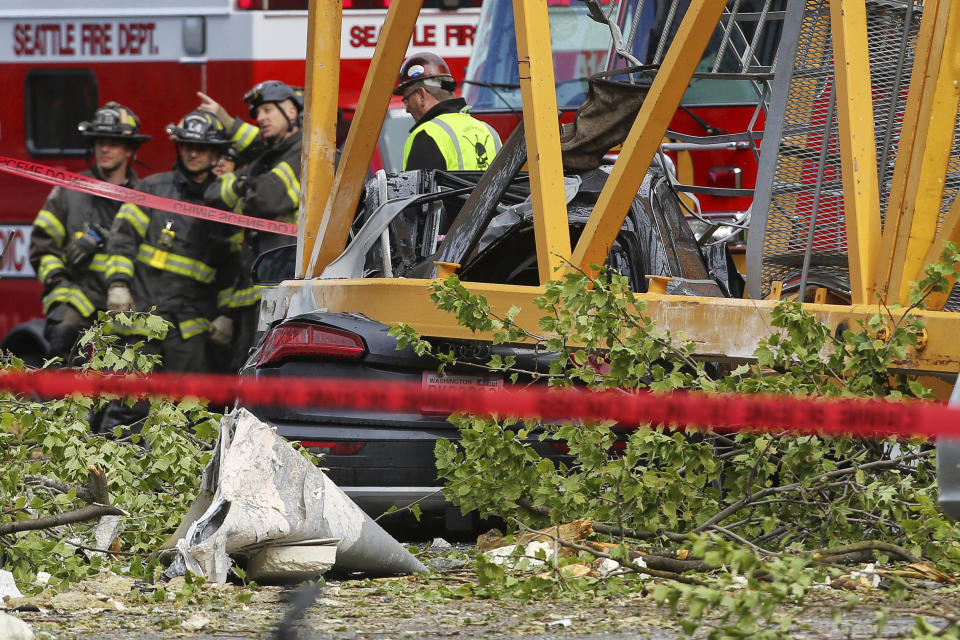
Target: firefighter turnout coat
(184,267)
(66,216)
(269,187)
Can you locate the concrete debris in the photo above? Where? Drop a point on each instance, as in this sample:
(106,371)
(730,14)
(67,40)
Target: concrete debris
(195,622)
(43,578)
(8,586)
(440,543)
(531,556)
(562,622)
(108,583)
(74,601)
(267,595)
(292,563)
(490,540)
(443,563)
(13,628)
(607,566)
(107,531)
(261,491)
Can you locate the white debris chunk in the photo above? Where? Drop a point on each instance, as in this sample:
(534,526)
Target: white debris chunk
(8,586)
(13,628)
(195,622)
(529,559)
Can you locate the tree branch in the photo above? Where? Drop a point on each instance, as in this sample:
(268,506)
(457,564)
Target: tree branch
(96,494)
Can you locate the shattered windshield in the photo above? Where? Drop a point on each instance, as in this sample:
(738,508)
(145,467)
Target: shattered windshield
(580,48)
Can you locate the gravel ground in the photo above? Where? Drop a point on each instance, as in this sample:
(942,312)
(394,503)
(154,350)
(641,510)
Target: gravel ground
(114,607)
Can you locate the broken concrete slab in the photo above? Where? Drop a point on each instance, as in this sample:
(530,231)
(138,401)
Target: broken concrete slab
(292,563)
(262,491)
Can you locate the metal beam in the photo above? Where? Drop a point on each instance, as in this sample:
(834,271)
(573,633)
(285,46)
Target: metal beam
(722,329)
(647,131)
(319,150)
(339,208)
(538,91)
(929,47)
(923,189)
(927,198)
(950,231)
(858,146)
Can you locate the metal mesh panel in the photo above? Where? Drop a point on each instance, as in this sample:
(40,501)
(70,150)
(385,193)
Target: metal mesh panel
(805,223)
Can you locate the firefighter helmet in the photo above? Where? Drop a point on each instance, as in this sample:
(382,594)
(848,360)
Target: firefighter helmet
(199,127)
(113,120)
(273,91)
(424,66)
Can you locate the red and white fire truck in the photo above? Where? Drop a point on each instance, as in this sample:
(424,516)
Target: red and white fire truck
(61,59)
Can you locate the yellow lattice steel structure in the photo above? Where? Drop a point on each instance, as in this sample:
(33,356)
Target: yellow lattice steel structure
(881,261)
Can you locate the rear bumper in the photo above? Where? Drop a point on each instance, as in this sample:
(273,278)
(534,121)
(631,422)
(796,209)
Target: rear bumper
(379,499)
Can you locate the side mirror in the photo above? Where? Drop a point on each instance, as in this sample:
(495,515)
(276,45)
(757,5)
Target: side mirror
(276,265)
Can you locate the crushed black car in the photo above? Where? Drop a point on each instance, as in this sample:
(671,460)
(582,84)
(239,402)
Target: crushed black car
(407,222)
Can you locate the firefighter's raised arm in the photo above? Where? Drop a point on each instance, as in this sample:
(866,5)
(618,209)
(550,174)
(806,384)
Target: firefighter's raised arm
(212,106)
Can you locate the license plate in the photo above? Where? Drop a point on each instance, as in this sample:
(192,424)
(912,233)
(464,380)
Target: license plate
(433,381)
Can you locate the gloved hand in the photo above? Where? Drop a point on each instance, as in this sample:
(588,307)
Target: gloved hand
(221,331)
(119,298)
(82,249)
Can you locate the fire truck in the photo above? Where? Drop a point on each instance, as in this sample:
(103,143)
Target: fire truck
(62,59)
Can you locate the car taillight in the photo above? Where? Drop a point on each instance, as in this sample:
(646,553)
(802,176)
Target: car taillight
(297,340)
(332,448)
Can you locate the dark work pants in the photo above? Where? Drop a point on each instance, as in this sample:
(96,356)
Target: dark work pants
(62,330)
(179,355)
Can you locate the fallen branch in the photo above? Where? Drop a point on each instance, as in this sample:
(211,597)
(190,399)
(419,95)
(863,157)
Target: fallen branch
(649,570)
(60,487)
(748,500)
(607,529)
(96,494)
(838,554)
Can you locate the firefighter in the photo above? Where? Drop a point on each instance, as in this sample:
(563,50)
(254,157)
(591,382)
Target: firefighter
(268,187)
(179,267)
(70,232)
(445,135)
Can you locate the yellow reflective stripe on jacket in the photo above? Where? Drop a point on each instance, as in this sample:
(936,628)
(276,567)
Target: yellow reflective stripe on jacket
(68,295)
(224,296)
(193,327)
(227,191)
(51,225)
(175,263)
(467,144)
(135,216)
(236,242)
(119,266)
(99,262)
(244,136)
(246,297)
(49,265)
(290,181)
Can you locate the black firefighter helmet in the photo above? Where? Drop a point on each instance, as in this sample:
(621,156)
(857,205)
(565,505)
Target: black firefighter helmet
(199,127)
(113,120)
(273,91)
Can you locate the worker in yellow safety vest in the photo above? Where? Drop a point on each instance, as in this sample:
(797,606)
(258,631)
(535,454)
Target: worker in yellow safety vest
(445,135)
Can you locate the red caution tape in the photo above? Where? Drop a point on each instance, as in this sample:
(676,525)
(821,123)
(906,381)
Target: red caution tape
(86,184)
(861,418)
